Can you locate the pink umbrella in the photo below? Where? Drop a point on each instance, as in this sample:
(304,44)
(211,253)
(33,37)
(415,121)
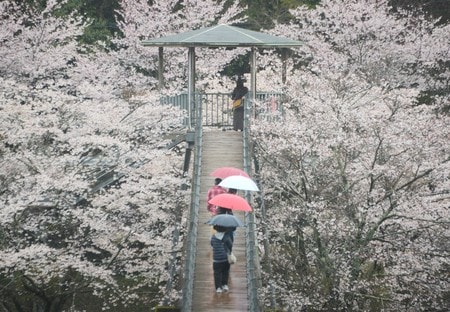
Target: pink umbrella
(224,172)
(231,201)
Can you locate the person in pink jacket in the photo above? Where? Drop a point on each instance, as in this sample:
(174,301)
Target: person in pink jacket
(214,191)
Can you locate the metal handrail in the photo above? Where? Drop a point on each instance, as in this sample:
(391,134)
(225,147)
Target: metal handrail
(252,256)
(189,267)
(265,237)
(217,107)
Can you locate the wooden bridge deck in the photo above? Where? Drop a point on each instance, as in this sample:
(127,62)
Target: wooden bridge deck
(220,148)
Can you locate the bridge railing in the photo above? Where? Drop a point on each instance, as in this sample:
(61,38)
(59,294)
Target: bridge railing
(191,245)
(217,107)
(252,258)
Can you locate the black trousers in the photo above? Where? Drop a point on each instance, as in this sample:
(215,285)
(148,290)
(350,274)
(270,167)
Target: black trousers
(221,273)
(238,118)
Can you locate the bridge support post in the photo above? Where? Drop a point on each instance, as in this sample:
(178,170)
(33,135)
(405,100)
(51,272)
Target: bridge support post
(190,140)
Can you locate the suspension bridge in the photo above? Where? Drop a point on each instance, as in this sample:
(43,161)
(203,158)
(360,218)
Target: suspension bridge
(216,145)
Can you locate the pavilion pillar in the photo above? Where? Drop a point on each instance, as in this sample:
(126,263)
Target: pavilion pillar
(284,52)
(160,68)
(252,256)
(192,110)
(191,86)
(252,77)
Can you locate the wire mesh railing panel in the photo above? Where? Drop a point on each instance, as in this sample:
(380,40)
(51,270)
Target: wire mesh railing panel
(269,106)
(216,109)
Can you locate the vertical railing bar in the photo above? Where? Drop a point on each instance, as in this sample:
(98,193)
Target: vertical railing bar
(215,105)
(206,113)
(223,121)
(210,103)
(220,107)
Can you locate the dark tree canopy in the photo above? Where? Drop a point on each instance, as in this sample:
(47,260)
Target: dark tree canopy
(261,13)
(435,8)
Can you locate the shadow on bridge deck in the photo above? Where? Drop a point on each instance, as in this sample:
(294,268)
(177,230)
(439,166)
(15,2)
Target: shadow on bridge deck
(220,148)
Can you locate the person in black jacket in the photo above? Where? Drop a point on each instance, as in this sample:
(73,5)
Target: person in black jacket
(222,246)
(223,210)
(238,104)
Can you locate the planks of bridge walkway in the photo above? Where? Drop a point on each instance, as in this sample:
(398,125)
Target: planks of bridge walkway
(220,148)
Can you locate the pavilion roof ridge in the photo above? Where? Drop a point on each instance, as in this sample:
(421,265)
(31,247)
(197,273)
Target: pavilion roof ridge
(223,35)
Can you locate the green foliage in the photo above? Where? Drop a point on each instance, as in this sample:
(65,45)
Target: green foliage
(167,309)
(21,293)
(428,97)
(291,4)
(102,16)
(263,14)
(435,8)
(372,270)
(239,66)
(97,31)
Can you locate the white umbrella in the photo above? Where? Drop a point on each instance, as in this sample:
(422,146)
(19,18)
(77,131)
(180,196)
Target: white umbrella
(240,183)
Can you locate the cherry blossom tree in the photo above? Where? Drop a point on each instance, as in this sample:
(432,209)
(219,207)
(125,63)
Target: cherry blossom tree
(90,194)
(137,22)
(356,179)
